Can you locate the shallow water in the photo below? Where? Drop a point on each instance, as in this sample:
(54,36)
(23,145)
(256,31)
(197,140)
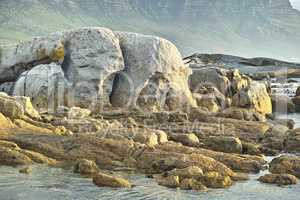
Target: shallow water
(293,116)
(57,184)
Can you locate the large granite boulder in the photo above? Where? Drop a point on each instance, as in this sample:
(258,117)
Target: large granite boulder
(92,57)
(154,76)
(87,58)
(254,96)
(44,84)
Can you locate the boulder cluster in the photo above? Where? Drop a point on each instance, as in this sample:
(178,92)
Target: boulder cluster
(100,102)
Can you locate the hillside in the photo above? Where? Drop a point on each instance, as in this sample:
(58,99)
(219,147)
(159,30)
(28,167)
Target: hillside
(240,27)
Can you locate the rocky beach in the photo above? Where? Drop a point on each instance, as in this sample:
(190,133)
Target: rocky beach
(117,109)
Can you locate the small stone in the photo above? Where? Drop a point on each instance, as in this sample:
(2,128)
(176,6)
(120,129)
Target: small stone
(189,172)
(186,139)
(85,167)
(104,180)
(279,179)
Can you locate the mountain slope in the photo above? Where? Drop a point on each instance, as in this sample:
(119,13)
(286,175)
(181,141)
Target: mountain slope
(268,28)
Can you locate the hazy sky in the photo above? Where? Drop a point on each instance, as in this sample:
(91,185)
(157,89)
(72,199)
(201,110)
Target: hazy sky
(296,4)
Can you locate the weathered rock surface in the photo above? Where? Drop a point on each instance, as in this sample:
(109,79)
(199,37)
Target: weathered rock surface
(215,76)
(186,139)
(154,73)
(16,107)
(93,55)
(5,123)
(11,108)
(279,179)
(241,114)
(235,162)
(224,144)
(286,165)
(26,55)
(12,157)
(254,96)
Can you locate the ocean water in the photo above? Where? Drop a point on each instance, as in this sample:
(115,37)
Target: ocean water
(57,184)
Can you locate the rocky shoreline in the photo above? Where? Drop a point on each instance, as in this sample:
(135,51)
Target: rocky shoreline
(99,102)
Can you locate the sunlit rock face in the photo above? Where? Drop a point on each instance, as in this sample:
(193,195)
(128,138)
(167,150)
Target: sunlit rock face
(262,28)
